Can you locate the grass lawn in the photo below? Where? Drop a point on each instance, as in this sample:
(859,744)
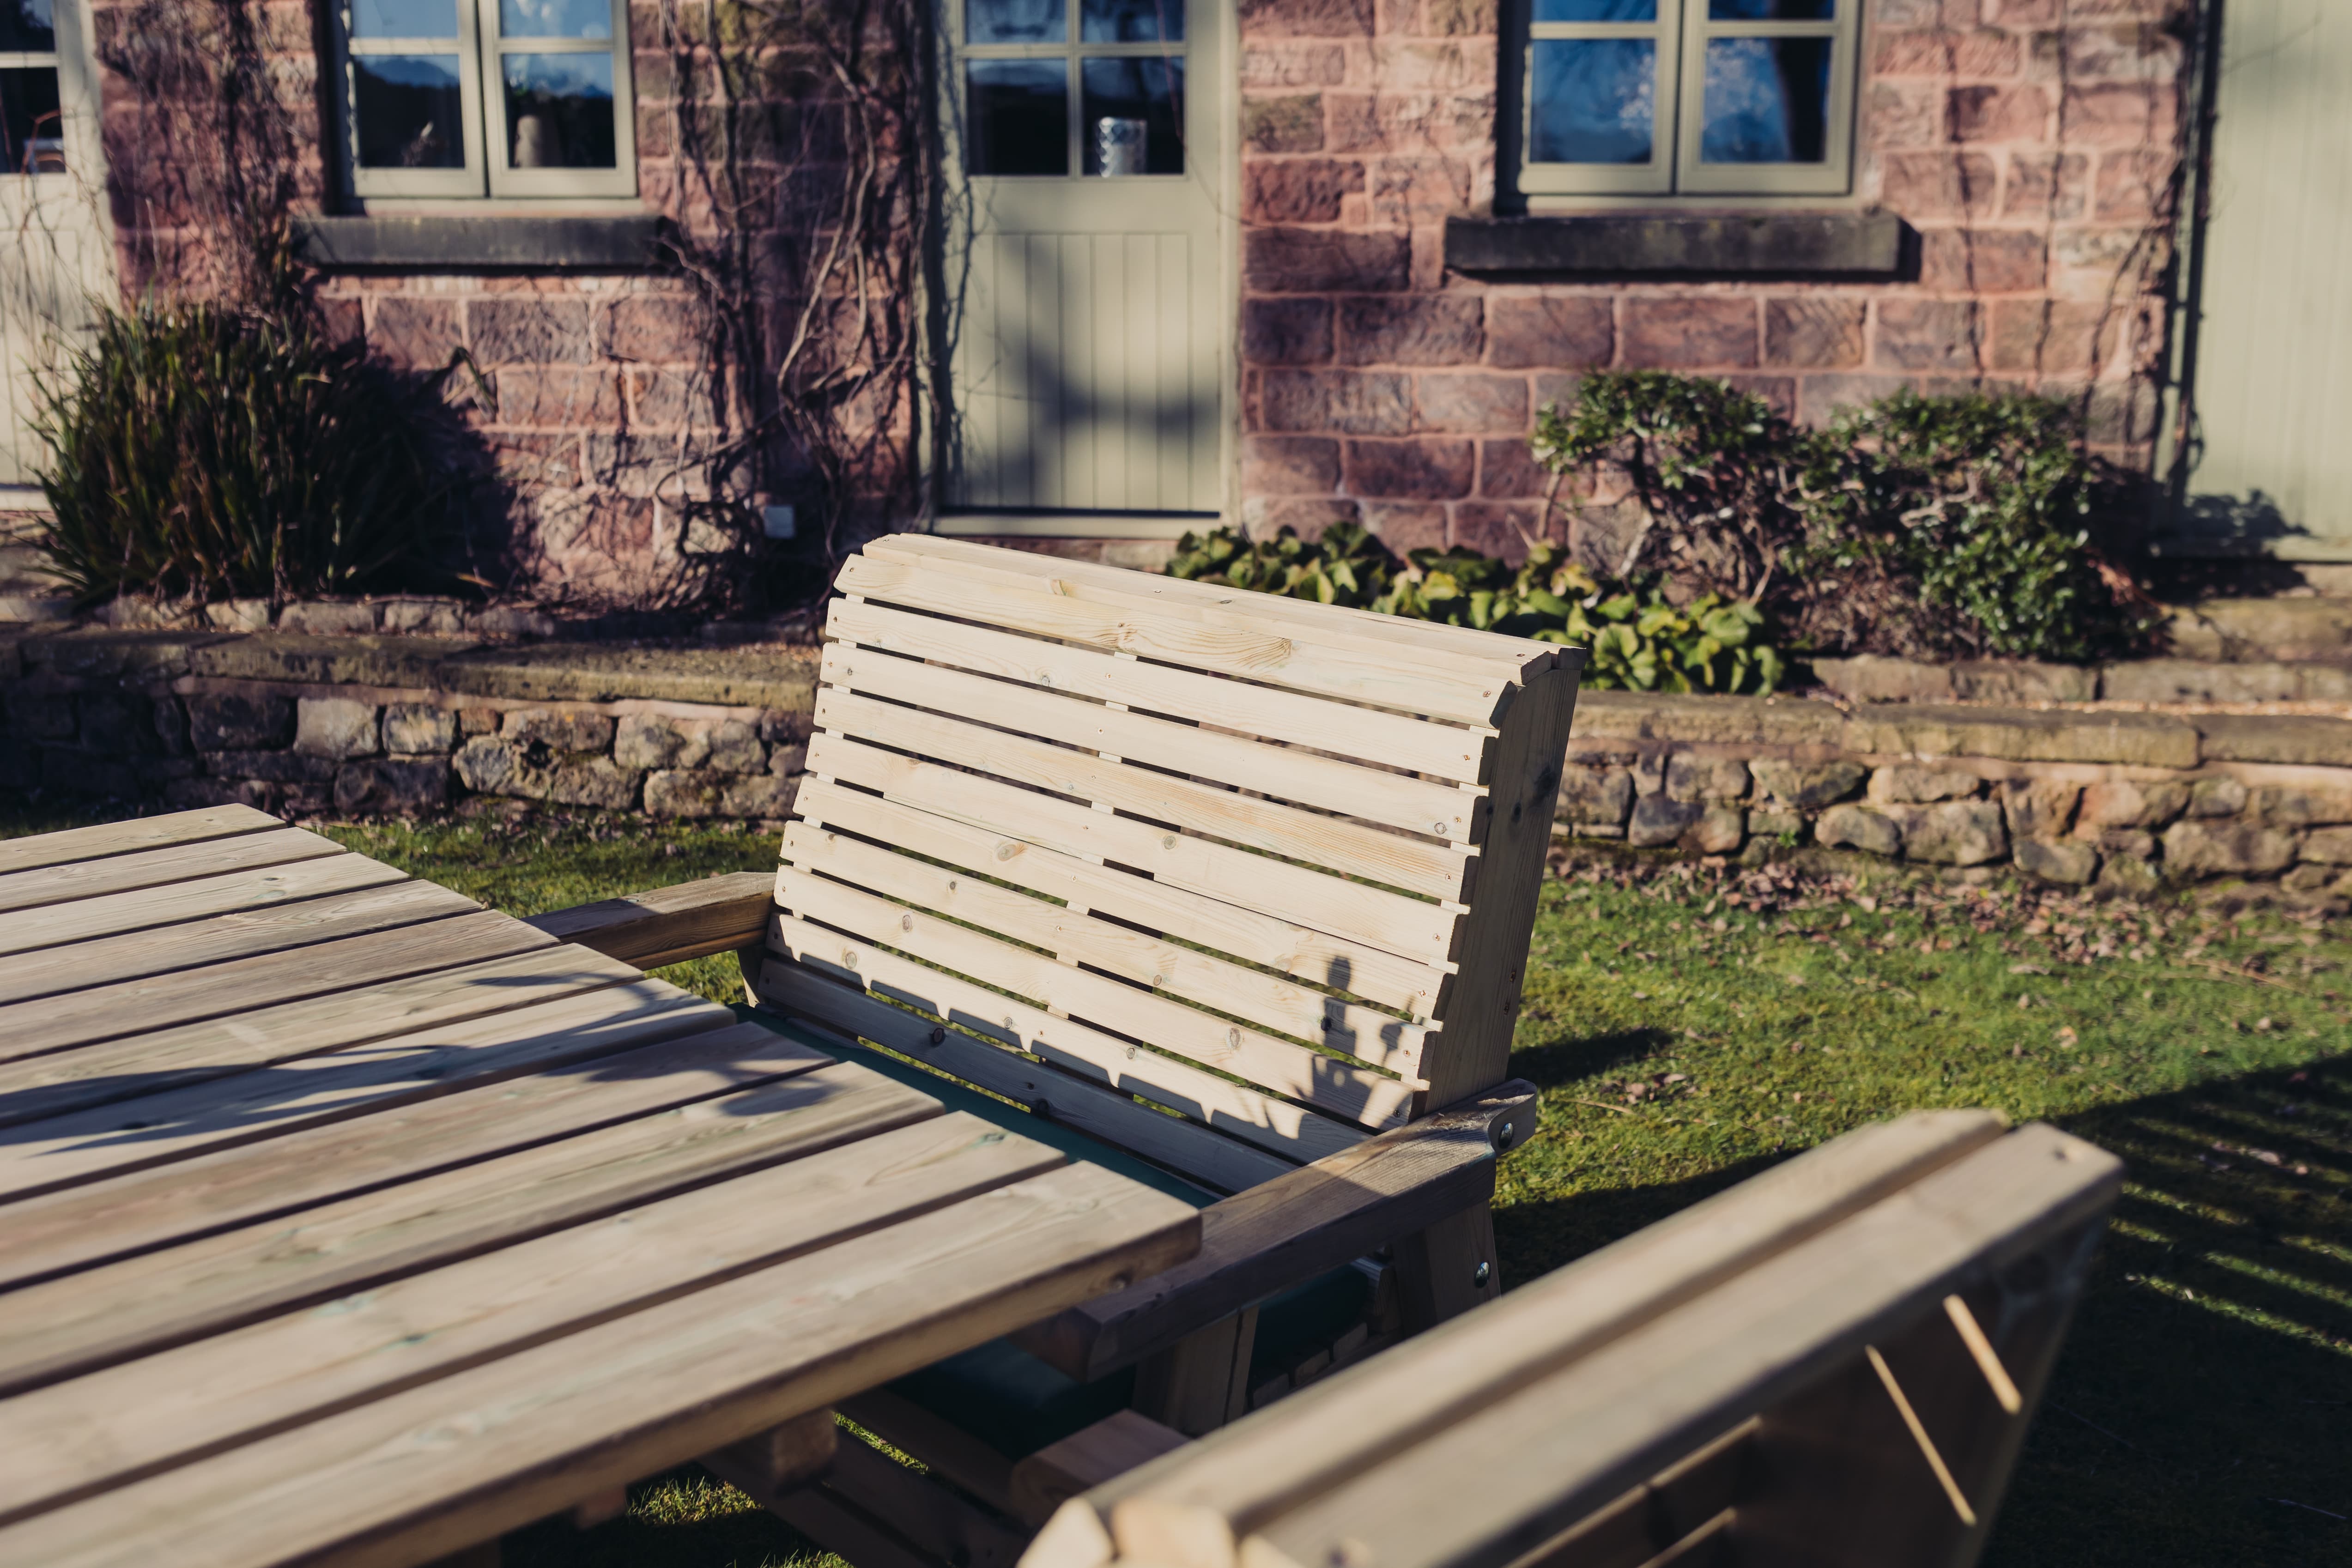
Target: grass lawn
(1690,1027)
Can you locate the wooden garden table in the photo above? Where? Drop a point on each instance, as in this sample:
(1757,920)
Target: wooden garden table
(344,1220)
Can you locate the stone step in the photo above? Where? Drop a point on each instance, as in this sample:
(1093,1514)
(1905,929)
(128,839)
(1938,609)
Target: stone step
(2264,631)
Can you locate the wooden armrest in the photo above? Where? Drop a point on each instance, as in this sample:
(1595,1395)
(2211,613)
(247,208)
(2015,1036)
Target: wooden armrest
(1286,1231)
(670,924)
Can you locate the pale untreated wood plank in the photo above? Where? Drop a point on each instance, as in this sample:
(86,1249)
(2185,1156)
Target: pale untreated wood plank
(1442,750)
(1285,945)
(1417,865)
(167,1076)
(1218,1163)
(669,925)
(89,918)
(248,1108)
(1076,937)
(1450,811)
(1410,928)
(159,868)
(1572,1314)
(701,1053)
(74,845)
(1244,1112)
(1338,1087)
(266,927)
(398,1479)
(104,1012)
(1086,1458)
(1559,1447)
(82,1322)
(104,1430)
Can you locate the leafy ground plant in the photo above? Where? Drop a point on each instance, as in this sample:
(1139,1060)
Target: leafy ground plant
(204,453)
(1690,1025)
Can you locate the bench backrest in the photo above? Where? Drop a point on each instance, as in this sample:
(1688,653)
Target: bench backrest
(1831,1364)
(1269,864)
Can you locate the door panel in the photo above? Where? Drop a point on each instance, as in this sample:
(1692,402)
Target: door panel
(1088,312)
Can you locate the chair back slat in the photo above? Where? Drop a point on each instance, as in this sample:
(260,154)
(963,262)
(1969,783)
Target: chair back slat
(1214,852)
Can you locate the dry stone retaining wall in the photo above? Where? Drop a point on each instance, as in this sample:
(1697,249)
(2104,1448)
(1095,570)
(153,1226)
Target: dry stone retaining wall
(306,725)
(2128,801)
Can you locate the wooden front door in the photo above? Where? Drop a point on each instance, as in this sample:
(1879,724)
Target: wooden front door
(1087,265)
(56,256)
(2267,469)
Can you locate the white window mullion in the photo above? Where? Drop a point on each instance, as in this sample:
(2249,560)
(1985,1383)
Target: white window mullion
(1583,82)
(395,102)
(1739,47)
(560,145)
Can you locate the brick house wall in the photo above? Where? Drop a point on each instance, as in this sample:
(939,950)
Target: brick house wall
(2030,143)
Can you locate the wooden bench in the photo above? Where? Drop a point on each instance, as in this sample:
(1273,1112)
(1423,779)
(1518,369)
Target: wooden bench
(1833,1362)
(1236,886)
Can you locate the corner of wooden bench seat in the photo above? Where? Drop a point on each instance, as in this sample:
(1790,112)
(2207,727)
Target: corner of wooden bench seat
(670,924)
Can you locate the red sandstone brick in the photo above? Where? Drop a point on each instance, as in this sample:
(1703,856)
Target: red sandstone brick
(1903,114)
(343,320)
(2131,51)
(1528,331)
(1315,261)
(1507,469)
(1306,18)
(1496,529)
(1459,18)
(2045,185)
(417,334)
(2125,414)
(1819,397)
(1454,65)
(1296,190)
(1294,331)
(1408,470)
(558,397)
(1410,330)
(1288,124)
(1982,261)
(1289,465)
(1813,331)
(2025,12)
(1997,113)
(1353,402)
(2060,337)
(2121,114)
(1420,188)
(656,328)
(1293,65)
(2132,185)
(528,331)
(1927,334)
(1976,52)
(1474,404)
(1404,526)
(1940,184)
(527,458)
(1779,393)
(664,399)
(1690,332)
(1558,390)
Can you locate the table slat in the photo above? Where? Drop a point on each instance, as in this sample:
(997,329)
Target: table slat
(437,1468)
(171,1072)
(247,1109)
(78,1437)
(270,927)
(79,880)
(74,845)
(701,1053)
(85,1321)
(114,914)
(105,1013)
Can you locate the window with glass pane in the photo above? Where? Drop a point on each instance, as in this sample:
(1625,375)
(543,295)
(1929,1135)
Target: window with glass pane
(32,131)
(1688,96)
(500,97)
(1054,87)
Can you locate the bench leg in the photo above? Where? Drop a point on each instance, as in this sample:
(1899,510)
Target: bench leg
(1201,1381)
(1448,1269)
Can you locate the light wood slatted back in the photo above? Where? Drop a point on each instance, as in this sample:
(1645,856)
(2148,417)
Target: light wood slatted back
(1271,865)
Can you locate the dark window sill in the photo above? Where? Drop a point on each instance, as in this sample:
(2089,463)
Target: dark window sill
(622,242)
(1862,244)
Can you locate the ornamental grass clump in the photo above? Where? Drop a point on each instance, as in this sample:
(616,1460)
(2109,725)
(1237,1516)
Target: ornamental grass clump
(200,452)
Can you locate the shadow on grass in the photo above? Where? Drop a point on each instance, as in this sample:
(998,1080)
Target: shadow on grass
(2200,1414)
(1560,1061)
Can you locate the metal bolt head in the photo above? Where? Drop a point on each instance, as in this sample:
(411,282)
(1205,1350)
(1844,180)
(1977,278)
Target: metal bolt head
(1485,1272)
(1504,1135)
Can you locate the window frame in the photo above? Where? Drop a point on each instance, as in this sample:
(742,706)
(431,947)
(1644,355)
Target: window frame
(1074,50)
(1675,174)
(480,45)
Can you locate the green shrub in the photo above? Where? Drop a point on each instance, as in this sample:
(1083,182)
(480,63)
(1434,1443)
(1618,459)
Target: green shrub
(202,452)
(1925,526)
(1638,640)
